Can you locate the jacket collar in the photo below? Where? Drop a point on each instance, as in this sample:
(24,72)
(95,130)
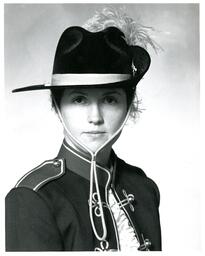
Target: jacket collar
(80,164)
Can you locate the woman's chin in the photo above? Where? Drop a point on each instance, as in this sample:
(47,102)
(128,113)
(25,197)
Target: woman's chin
(93,143)
(95,146)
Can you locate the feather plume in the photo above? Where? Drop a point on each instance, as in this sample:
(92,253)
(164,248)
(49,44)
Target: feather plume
(135,33)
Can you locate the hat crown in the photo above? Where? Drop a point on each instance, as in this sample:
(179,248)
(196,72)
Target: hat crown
(82,51)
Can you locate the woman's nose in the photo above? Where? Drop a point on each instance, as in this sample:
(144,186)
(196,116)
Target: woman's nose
(95,114)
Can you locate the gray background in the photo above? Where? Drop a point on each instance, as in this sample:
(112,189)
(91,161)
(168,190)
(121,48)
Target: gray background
(164,141)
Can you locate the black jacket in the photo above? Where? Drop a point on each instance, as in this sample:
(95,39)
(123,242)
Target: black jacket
(48,208)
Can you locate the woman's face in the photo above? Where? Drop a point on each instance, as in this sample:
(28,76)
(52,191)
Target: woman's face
(93,115)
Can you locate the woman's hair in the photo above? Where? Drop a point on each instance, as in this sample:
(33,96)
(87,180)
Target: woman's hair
(135,34)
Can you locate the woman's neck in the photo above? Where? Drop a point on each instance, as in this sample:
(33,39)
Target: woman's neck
(103,157)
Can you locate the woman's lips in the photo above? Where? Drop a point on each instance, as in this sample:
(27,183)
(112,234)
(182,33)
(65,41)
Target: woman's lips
(94,134)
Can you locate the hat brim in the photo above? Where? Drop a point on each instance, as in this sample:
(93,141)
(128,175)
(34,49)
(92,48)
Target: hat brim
(130,82)
(141,60)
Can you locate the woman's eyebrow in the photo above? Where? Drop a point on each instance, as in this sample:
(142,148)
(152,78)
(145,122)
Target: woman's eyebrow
(77,92)
(111,92)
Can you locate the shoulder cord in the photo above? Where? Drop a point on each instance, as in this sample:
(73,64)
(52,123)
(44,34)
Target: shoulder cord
(93,172)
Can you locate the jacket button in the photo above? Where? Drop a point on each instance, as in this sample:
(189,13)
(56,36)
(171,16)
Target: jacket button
(56,163)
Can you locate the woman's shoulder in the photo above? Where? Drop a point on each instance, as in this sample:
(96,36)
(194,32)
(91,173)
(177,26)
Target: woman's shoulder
(38,189)
(128,168)
(47,171)
(135,175)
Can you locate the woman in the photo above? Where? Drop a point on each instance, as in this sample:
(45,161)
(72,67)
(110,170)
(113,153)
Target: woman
(87,198)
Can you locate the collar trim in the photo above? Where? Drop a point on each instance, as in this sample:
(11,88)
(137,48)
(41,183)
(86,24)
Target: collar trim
(83,158)
(80,165)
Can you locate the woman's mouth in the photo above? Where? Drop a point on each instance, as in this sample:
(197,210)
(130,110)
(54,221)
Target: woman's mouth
(94,134)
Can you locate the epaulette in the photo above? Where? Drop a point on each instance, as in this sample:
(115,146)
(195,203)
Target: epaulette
(42,174)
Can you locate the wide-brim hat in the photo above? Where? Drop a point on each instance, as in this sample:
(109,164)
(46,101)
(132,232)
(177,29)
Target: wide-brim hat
(102,58)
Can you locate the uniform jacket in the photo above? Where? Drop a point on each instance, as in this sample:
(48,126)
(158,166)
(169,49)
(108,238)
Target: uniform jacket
(48,208)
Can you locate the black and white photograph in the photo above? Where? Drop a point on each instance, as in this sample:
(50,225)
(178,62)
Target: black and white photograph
(102,128)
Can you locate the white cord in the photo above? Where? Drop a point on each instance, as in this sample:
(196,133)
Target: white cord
(93,172)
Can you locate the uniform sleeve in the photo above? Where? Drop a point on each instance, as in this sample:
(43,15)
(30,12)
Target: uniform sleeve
(157,226)
(30,225)
(156,192)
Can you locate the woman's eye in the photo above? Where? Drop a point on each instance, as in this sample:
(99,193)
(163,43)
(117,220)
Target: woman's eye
(110,100)
(80,100)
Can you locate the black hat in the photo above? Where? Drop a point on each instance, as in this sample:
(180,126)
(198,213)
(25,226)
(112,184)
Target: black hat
(101,58)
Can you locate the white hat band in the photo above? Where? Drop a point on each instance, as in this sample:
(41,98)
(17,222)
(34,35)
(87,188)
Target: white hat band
(87,79)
